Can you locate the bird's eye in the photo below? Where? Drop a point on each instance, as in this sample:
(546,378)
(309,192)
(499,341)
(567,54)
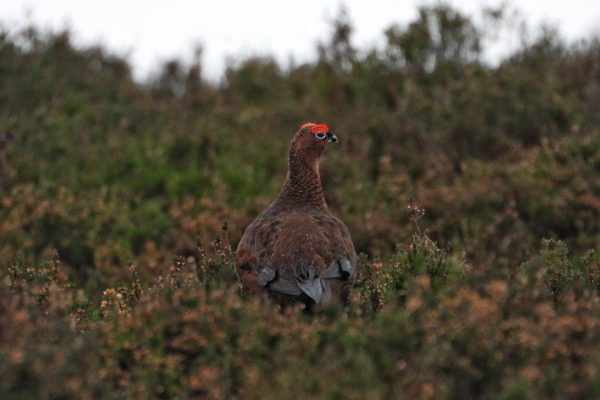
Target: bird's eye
(320,135)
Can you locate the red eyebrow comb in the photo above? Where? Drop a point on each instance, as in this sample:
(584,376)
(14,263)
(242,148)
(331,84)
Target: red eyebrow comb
(320,128)
(315,128)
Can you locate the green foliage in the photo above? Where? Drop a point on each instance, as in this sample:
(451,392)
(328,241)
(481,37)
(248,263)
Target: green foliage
(188,332)
(559,273)
(120,184)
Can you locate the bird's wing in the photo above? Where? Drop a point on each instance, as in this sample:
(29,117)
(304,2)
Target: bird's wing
(254,253)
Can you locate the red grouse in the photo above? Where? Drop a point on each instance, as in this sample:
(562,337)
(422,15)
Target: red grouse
(296,251)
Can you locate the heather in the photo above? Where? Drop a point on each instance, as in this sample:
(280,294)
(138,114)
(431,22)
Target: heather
(472,191)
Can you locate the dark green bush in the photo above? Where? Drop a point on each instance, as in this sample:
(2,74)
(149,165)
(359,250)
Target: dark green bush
(190,333)
(126,185)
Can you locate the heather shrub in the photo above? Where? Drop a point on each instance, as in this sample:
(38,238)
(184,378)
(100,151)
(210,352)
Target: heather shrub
(475,335)
(116,263)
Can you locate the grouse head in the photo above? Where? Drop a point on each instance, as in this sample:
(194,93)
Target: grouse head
(310,141)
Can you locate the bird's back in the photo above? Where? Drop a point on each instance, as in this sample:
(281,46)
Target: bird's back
(282,251)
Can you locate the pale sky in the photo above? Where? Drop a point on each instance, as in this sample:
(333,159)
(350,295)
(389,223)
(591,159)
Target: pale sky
(150,31)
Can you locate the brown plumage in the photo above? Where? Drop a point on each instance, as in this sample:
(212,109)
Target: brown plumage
(296,251)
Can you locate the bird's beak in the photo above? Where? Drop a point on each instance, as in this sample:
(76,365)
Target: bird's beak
(331,138)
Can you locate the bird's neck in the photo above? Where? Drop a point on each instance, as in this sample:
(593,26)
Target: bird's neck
(303,182)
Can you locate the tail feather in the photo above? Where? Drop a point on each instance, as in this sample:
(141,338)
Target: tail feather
(317,286)
(314,286)
(314,289)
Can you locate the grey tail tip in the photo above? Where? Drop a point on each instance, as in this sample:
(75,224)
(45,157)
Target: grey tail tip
(313,289)
(312,285)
